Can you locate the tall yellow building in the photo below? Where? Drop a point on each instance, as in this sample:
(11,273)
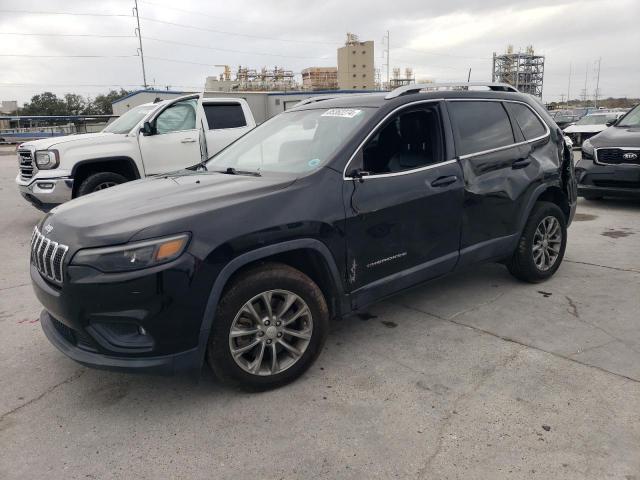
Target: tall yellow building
(356,65)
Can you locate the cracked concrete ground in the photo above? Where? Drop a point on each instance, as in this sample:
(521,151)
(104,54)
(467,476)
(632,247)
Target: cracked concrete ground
(473,376)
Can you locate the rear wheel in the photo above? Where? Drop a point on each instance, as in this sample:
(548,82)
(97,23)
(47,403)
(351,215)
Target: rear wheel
(100,181)
(542,244)
(270,326)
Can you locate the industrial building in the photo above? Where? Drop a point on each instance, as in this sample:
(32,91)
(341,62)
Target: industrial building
(320,78)
(251,79)
(356,65)
(525,71)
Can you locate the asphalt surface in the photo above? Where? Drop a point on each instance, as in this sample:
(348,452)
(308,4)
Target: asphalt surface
(474,376)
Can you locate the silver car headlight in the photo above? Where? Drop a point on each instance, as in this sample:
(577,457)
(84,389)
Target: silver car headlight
(47,159)
(133,256)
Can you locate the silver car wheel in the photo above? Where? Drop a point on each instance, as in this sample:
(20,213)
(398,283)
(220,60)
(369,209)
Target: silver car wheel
(547,242)
(271,332)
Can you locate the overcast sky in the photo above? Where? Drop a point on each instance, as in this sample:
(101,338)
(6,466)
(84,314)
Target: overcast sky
(440,39)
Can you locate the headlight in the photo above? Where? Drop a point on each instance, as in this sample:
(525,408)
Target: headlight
(47,159)
(133,256)
(587,150)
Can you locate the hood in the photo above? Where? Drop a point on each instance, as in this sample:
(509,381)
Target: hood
(585,128)
(617,137)
(46,143)
(158,204)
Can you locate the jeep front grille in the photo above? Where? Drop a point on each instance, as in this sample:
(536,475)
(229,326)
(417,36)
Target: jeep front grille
(48,256)
(25,161)
(616,156)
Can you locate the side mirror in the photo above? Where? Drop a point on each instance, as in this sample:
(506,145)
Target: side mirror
(610,123)
(147,129)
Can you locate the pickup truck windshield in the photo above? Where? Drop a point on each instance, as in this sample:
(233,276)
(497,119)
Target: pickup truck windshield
(632,119)
(126,122)
(292,142)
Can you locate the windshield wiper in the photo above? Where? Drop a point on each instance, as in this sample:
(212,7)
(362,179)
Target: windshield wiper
(233,171)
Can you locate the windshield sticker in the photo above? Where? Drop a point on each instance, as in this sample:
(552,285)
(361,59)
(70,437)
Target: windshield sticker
(342,112)
(314,162)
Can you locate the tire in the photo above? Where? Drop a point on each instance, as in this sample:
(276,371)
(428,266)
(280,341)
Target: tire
(250,370)
(524,264)
(99,181)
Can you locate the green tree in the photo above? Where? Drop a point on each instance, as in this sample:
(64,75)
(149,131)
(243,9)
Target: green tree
(101,105)
(75,104)
(46,103)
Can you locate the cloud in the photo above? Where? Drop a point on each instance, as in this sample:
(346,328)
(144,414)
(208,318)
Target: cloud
(441,40)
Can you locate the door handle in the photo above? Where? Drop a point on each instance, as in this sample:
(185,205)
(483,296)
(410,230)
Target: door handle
(520,163)
(444,181)
(188,140)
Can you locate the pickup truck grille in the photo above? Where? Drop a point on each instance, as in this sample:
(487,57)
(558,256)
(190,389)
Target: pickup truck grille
(48,256)
(25,160)
(616,156)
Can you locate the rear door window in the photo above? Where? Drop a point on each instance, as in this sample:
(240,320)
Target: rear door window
(529,123)
(480,126)
(224,115)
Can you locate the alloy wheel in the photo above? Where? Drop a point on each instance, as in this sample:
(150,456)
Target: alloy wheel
(547,242)
(271,332)
(103,185)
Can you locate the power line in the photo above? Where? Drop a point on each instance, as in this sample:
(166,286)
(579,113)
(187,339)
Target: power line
(228,50)
(247,35)
(23,55)
(77,14)
(66,35)
(200,14)
(441,54)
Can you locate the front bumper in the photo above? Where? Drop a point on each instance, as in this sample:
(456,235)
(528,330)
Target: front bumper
(607,180)
(145,321)
(162,365)
(46,193)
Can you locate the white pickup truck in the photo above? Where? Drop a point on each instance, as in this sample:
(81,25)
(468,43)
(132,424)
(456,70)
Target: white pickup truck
(150,139)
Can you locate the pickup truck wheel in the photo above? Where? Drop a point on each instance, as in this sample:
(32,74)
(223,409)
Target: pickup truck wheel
(542,244)
(270,326)
(100,181)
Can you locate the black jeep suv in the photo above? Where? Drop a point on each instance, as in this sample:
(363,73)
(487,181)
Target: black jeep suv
(316,213)
(610,164)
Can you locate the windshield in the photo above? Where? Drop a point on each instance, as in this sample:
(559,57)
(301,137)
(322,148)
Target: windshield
(292,142)
(126,122)
(632,119)
(596,119)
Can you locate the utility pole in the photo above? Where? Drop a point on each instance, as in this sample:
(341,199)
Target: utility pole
(469,75)
(595,103)
(139,34)
(584,92)
(569,87)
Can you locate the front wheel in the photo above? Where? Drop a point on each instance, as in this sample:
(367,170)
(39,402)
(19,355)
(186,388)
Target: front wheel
(270,326)
(100,181)
(542,244)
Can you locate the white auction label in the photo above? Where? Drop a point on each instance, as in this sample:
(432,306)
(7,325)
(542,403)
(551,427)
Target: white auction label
(341,112)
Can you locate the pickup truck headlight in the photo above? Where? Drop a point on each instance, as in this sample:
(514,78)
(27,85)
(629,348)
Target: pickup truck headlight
(47,159)
(133,256)
(587,150)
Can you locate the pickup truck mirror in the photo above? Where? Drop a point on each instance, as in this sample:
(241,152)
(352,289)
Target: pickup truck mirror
(147,129)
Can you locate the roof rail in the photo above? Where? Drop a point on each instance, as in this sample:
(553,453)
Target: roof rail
(417,87)
(317,98)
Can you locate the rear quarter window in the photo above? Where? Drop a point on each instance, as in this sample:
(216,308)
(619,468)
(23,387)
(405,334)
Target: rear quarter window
(480,126)
(529,123)
(224,115)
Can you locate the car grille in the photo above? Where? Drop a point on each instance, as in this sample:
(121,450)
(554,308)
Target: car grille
(615,156)
(48,256)
(25,160)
